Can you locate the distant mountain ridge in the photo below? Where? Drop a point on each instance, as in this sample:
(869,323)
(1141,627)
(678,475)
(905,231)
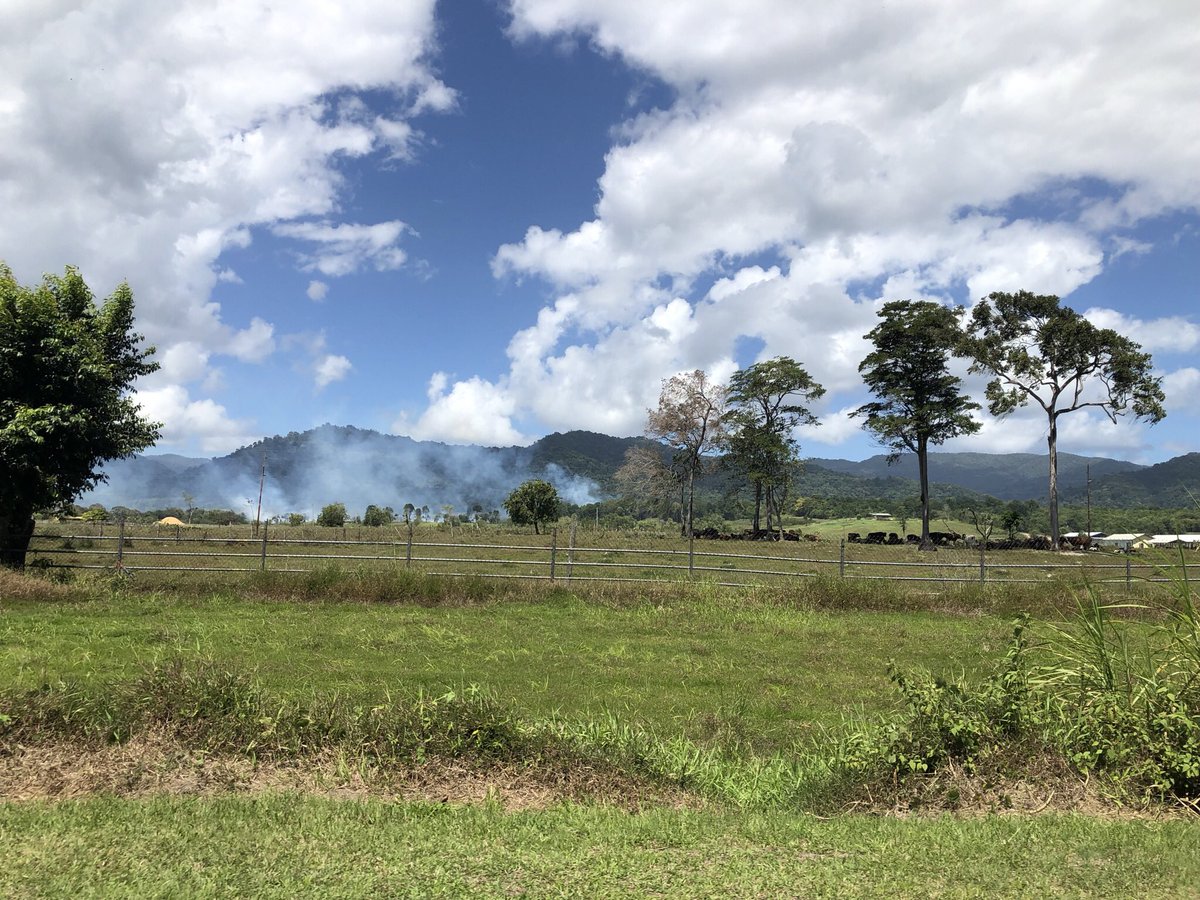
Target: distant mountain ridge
(306,470)
(1007,476)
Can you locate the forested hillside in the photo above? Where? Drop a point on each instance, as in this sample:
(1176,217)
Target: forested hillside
(358,466)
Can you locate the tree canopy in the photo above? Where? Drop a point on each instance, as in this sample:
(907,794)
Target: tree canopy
(377,516)
(66,369)
(689,420)
(532,503)
(919,402)
(766,404)
(332,515)
(1041,352)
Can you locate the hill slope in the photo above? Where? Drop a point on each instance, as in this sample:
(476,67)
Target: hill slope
(306,470)
(1009,476)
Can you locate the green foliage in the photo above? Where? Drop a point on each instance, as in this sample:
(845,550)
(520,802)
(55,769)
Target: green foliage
(1091,699)
(217,710)
(761,422)
(332,515)
(296,519)
(1039,351)
(919,402)
(66,368)
(532,503)
(377,516)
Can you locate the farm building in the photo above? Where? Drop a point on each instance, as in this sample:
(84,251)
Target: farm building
(1168,542)
(1122,543)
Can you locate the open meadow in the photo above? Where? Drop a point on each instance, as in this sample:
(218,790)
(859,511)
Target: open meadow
(353,731)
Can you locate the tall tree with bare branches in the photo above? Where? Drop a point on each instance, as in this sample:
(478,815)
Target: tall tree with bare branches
(689,420)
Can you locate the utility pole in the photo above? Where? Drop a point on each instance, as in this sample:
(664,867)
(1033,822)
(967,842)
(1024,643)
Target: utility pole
(261,480)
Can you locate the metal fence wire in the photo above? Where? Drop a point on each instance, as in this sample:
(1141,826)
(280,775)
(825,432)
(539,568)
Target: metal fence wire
(576,556)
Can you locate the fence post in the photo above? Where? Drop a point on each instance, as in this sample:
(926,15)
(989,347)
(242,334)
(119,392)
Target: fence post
(691,552)
(1128,574)
(842,559)
(571,550)
(553,550)
(121,544)
(408,549)
(983,563)
(263,557)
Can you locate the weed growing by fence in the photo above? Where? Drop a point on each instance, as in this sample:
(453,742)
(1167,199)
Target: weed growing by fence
(1101,696)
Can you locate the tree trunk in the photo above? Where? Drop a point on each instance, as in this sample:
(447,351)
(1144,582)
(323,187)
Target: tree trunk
(16,528)
(757,503)
(691,501)
(1052,441)
(683,508)
(923,470)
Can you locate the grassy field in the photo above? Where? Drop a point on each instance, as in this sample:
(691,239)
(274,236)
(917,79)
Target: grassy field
(769,674)
(743,687)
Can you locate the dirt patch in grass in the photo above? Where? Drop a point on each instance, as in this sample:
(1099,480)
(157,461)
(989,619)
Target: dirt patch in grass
(1052,788)
(154,765)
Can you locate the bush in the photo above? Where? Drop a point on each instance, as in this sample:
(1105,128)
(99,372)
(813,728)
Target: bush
(376,516)
(332,516)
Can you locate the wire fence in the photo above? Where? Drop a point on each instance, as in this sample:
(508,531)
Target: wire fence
(569,555)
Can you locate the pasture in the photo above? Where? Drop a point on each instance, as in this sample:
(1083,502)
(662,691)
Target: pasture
(562,739)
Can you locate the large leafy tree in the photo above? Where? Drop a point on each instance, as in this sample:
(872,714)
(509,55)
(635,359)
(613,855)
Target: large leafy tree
(919,402)
(1041,352)
(66,368)
(533,502)
(689,419)
(766,404)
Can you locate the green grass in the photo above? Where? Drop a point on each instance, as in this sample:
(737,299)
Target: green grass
(725,694)
(285,846)
(764,675)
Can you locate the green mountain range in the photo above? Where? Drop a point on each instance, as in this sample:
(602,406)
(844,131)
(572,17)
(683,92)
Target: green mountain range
(305,470)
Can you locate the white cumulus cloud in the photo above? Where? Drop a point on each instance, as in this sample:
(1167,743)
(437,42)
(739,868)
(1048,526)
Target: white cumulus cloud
(806,132)
(140,141)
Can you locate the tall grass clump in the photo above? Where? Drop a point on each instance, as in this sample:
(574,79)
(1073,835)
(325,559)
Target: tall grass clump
(1103,694)
(205,707)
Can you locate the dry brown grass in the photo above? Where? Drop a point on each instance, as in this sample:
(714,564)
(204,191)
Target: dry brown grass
(16,585)
(155,764)
(1040,784)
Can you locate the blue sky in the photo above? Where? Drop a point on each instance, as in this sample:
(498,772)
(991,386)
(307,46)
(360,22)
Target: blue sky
(481,221)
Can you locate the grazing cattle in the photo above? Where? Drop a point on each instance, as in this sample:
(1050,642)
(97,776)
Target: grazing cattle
(875,537)
(912,539)
(893,538)
(854,537)
(811,537)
